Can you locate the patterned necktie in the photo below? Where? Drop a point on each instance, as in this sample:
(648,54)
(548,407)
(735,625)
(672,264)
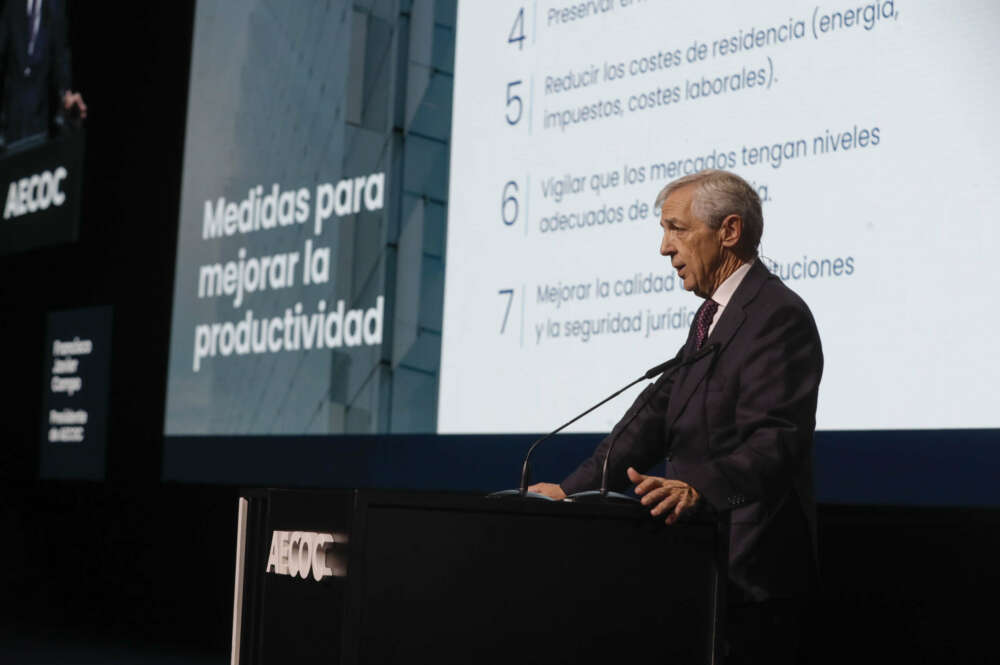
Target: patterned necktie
(702,322)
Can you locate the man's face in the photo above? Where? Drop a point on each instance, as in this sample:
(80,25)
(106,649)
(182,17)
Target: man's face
(695,250)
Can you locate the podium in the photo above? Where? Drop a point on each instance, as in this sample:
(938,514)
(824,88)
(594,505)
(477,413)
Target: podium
(369,576)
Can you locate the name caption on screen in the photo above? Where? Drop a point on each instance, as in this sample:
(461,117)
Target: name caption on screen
(68,364)
(67,425)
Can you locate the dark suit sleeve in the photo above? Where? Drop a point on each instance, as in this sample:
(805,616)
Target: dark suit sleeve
(5,42)
(775,415)
(61,64)
(642,440)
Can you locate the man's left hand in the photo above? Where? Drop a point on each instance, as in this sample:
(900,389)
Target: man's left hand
(670,497)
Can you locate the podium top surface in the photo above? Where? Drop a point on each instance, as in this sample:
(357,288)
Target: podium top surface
(473,502)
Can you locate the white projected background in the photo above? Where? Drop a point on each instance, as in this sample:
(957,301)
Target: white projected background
(870,132)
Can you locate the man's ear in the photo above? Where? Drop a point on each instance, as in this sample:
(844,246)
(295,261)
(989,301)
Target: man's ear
(730,231)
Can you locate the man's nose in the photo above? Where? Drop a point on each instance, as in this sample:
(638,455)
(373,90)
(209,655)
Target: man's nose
(667,246)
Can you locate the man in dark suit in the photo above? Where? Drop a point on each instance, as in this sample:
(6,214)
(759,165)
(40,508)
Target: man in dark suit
(736,427)
(35,58)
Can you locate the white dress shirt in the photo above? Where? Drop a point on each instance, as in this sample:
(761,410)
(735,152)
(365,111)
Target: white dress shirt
(725,292)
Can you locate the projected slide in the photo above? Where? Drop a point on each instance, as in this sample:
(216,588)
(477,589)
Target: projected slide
(268,328)
(868,129)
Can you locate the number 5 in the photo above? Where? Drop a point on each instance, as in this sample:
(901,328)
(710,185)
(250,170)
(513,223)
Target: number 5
(511,99)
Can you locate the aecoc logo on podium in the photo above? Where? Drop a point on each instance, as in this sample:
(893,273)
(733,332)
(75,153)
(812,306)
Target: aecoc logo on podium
(297,553)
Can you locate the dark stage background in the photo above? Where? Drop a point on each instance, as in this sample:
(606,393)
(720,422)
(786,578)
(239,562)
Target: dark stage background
(133,565)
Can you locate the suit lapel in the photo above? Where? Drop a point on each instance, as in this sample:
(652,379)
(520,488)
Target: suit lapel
(725,329)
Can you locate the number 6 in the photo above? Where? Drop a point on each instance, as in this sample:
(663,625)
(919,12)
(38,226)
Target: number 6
(507,201)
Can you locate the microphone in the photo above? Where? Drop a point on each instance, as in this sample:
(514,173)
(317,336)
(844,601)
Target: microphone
(652,372)
(603,495)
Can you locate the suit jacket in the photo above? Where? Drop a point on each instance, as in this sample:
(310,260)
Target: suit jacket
(31,81)
(738,426)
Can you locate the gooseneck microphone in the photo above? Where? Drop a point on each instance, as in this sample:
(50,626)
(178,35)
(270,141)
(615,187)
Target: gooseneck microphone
(527,457)
(672,364)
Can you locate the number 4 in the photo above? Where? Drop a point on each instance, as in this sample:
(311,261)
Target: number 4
(517,30)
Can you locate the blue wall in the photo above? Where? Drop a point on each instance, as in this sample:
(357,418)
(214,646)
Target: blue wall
(919,468)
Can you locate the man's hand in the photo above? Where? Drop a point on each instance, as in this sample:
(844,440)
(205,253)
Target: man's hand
(550,490)
(673,497)
(71,99)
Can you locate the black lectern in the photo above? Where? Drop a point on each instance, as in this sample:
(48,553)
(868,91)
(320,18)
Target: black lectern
(390,577)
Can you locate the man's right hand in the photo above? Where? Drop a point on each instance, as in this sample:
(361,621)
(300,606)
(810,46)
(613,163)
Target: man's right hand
(71,99)
(550,490)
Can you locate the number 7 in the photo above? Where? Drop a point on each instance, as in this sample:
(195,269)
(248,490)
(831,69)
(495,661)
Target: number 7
(510,298)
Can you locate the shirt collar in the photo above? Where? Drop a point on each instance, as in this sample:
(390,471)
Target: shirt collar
(725,292)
